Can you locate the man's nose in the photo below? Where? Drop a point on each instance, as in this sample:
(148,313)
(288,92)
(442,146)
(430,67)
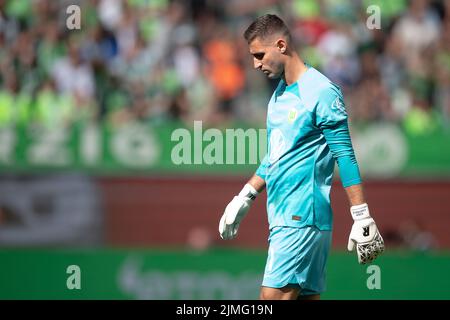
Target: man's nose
(257,64)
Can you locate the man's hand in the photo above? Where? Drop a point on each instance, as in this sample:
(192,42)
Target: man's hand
(365,235)
(236,211)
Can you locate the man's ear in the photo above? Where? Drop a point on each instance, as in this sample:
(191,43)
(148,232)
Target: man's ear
(282,45)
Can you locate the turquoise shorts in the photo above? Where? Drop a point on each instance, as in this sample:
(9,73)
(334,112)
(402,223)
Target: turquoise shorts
(297,257)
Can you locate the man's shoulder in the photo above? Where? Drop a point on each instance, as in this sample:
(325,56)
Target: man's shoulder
(317,86)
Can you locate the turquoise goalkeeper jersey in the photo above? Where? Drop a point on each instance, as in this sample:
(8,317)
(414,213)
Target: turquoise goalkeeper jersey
(307,130)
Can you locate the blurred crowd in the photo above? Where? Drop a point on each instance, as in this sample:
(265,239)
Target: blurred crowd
(161,60)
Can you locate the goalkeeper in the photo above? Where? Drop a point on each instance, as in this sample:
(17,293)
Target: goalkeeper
(307,131)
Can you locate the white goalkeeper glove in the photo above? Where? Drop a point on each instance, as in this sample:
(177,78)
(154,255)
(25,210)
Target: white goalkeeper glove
(364,235)
(236,211)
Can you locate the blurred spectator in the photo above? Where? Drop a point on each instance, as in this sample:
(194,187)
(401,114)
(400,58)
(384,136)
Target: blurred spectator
(110,13)
(51,109)
(100,47)
(223,70)
(421,20)
(72,75)
(420,119)
(186,58)
(50,48)
(7,100)
(337,48)
(442,70)
(179,106)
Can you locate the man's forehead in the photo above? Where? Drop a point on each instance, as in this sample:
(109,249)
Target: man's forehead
(257,45)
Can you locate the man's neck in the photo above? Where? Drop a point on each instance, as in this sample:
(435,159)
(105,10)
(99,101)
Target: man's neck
(293,69)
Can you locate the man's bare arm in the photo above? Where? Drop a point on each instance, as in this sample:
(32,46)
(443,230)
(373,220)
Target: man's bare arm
(257,182)
(355,194)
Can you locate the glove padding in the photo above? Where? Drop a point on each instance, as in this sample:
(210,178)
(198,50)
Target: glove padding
(364,235)
(235,211)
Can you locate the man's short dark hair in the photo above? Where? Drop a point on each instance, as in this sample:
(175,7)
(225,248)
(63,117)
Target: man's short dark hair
(265,26)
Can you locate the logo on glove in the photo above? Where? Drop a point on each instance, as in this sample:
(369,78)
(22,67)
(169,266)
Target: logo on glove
(365,231)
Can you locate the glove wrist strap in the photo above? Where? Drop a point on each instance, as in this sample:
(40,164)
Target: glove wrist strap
(248,192)
(360,211)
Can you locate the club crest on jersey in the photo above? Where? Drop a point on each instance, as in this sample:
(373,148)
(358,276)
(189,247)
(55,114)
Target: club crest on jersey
(292,115)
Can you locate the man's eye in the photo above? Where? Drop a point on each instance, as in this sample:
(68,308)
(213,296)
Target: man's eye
(259,56)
